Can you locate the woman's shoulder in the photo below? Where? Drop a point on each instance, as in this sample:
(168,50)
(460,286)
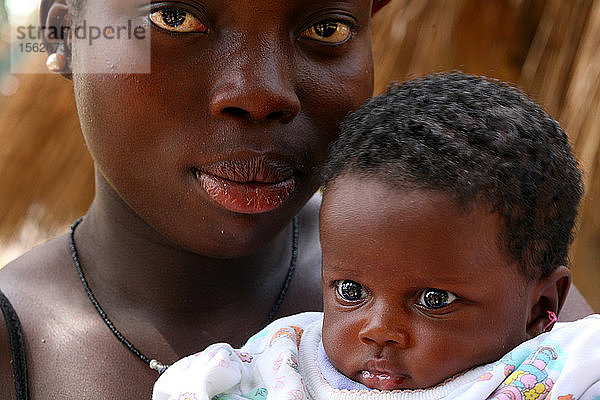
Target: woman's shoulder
(26,284)
(36,282)
(35,270)
(44,288)
(64,336)
(575,306)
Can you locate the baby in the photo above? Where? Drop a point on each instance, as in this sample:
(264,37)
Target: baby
(448,208)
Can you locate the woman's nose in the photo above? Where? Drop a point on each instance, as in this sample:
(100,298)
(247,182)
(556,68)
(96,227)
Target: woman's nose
(384,329)
(256,85)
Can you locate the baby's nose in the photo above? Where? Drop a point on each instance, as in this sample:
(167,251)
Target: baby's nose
(383,329)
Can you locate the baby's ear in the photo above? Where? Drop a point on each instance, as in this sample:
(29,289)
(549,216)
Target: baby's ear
(548,294)
(55,26)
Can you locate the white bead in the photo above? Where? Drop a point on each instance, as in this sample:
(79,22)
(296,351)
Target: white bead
(155,365)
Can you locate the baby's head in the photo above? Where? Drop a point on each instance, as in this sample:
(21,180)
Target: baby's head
(448,210)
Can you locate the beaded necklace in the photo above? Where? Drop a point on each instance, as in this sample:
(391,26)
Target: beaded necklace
(153,363)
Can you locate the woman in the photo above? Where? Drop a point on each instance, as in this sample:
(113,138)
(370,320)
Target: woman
(201,166)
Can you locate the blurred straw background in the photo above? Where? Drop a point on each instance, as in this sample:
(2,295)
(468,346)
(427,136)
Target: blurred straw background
(549,48)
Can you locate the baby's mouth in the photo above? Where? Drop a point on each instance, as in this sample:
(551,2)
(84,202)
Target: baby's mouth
(382,378)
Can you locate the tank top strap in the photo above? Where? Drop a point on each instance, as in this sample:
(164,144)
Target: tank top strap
(17,348)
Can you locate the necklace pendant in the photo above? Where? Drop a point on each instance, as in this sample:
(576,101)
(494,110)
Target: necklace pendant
(158,366)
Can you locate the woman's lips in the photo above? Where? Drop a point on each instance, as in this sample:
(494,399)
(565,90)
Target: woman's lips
(249,183)
(250,197)
(245,167)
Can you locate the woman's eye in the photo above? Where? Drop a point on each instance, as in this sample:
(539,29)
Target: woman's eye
(435,298)
(350,291)
(177,20)
(328,32)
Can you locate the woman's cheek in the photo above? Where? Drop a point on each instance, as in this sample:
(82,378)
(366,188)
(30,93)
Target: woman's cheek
(337,90)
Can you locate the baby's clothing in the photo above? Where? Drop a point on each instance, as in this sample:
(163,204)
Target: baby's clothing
(286,361)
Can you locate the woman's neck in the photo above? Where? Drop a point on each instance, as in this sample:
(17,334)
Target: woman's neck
(130,264)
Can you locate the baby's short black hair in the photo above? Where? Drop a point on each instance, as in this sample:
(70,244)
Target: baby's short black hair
(480,141)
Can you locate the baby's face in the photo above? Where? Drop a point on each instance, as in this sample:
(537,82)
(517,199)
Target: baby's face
(415,290)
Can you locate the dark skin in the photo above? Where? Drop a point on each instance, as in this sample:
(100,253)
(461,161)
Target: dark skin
(151,244)
(423,290)
(172,268)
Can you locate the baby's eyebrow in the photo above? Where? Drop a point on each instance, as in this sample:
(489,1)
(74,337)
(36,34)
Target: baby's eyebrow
(428,278)
(340,269)
(356,273)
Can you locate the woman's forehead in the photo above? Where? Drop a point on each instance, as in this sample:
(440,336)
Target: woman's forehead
(289,4)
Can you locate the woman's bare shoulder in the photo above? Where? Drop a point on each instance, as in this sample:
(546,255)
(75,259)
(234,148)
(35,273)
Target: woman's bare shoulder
(575,307)
(38,269)
(27,282)
(36,284)
(64,336)
(44,288)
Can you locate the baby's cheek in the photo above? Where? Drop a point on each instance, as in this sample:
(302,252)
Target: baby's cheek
(340,340)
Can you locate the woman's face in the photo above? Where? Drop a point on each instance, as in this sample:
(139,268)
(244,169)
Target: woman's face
(220,145)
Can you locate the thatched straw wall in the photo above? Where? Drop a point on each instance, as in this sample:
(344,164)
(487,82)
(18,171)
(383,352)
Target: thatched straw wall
(550,48)
(45,172)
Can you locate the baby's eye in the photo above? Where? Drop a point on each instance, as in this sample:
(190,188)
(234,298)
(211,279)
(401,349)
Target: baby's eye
(334,32)
(436,298)
(177,20)
(350,291)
